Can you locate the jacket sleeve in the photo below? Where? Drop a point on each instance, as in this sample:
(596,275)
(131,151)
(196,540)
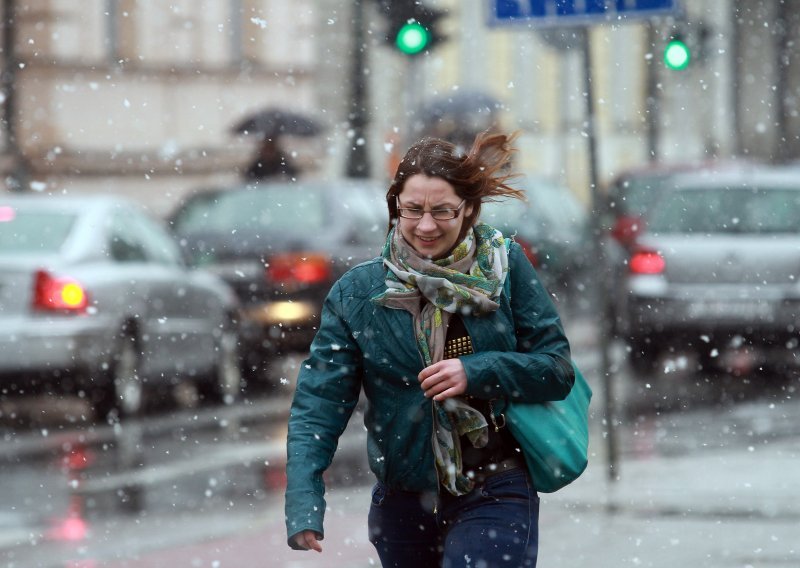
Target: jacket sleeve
(327,391)
(540,369)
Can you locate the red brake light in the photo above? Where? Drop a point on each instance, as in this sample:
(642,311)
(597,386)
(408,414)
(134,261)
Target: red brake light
(299,268)
(529,250)
(52,293)
(626,229)
(647,261)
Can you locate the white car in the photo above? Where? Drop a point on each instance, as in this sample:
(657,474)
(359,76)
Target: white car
(95,299)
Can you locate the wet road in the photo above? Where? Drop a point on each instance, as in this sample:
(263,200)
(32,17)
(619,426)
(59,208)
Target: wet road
(76,494)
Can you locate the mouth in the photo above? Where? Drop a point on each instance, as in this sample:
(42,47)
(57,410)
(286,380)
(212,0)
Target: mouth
(427,239)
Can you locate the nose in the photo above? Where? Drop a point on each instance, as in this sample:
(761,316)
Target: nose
(427,223)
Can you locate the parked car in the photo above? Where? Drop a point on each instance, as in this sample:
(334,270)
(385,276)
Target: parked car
(281,245)
(717,270)
(95,299)
(552,227)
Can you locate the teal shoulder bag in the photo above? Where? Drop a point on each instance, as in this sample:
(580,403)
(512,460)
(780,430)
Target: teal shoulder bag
(553,435)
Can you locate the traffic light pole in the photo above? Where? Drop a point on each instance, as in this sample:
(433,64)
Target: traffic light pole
(358,165)
(602,289)
(16,169)
(653,97)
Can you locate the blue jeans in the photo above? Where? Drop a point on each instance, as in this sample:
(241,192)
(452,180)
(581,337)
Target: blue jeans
(495,525)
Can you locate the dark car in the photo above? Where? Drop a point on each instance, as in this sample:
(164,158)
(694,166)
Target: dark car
(95,299)
(716,271)
(281,245)
(552,227)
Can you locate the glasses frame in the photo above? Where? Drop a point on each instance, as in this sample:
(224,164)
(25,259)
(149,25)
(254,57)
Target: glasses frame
(453,213)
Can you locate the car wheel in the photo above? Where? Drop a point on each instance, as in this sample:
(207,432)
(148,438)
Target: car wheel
(643,356)
(123,394)
(225,382)
(128,388)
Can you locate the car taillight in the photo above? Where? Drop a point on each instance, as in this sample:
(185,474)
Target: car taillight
(54,293)
(647,261)
(626,229)
(529,250)
(299,268)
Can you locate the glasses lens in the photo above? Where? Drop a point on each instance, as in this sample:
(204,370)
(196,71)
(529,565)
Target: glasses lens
(437,214)
(411,213)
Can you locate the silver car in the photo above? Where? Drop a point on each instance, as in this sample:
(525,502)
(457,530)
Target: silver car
(95,299)
(717,270)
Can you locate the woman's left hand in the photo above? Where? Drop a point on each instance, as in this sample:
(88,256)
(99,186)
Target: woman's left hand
(444,379)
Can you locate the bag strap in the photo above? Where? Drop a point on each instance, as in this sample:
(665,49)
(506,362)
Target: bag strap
(497,415)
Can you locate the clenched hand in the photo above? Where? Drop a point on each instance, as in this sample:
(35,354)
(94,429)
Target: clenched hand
(444,379)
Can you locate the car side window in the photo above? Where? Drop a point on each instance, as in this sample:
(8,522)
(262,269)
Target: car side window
(124,244)
(136,238)
(159,246)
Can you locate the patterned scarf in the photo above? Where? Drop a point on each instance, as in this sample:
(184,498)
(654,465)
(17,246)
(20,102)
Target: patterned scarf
(466,282)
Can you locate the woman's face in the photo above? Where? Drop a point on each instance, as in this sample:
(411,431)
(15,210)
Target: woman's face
(431,238)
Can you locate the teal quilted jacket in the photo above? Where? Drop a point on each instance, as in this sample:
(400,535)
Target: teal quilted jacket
(361,345)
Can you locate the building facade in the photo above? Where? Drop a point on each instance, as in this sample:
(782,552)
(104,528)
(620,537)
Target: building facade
(139,96)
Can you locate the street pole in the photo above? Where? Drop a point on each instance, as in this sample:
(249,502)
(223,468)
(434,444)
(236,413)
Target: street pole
(602,288)
(653,95)
(783,45)
(735,84)
(358,165)
(17,174)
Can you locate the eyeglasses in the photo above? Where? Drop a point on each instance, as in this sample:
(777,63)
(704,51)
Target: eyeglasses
(437,214)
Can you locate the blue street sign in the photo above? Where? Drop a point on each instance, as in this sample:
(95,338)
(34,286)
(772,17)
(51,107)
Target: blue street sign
(575,12)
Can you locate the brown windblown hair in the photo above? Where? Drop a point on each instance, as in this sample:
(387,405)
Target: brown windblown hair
(480,175)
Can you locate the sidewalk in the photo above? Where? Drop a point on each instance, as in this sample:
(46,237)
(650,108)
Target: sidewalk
(726,508)
(728,479)
(757,482)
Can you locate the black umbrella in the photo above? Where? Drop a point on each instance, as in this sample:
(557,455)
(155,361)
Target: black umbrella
(272,122)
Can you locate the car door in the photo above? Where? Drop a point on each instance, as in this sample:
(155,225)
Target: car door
(187,310)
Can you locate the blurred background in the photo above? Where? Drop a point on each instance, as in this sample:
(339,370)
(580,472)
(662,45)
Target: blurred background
(182,181)
(142,97)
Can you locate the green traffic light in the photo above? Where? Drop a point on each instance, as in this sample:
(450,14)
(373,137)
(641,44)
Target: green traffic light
(412,38)
(677,55)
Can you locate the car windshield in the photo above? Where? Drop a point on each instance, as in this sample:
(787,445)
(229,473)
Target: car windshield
(548,206)
(289,209)
(25,231)
(727,210)
(634,195)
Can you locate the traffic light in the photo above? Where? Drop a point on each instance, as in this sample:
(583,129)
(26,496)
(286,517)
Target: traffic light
(411,26)
(677,54)
(688,44)
(412,38)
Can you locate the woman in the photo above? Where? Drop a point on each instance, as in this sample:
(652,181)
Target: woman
(451,318)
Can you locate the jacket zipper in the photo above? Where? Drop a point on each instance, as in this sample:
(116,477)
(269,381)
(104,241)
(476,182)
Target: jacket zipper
(435,469)
(433,421)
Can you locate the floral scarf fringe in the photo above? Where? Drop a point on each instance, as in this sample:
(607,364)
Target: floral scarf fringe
(467,282)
